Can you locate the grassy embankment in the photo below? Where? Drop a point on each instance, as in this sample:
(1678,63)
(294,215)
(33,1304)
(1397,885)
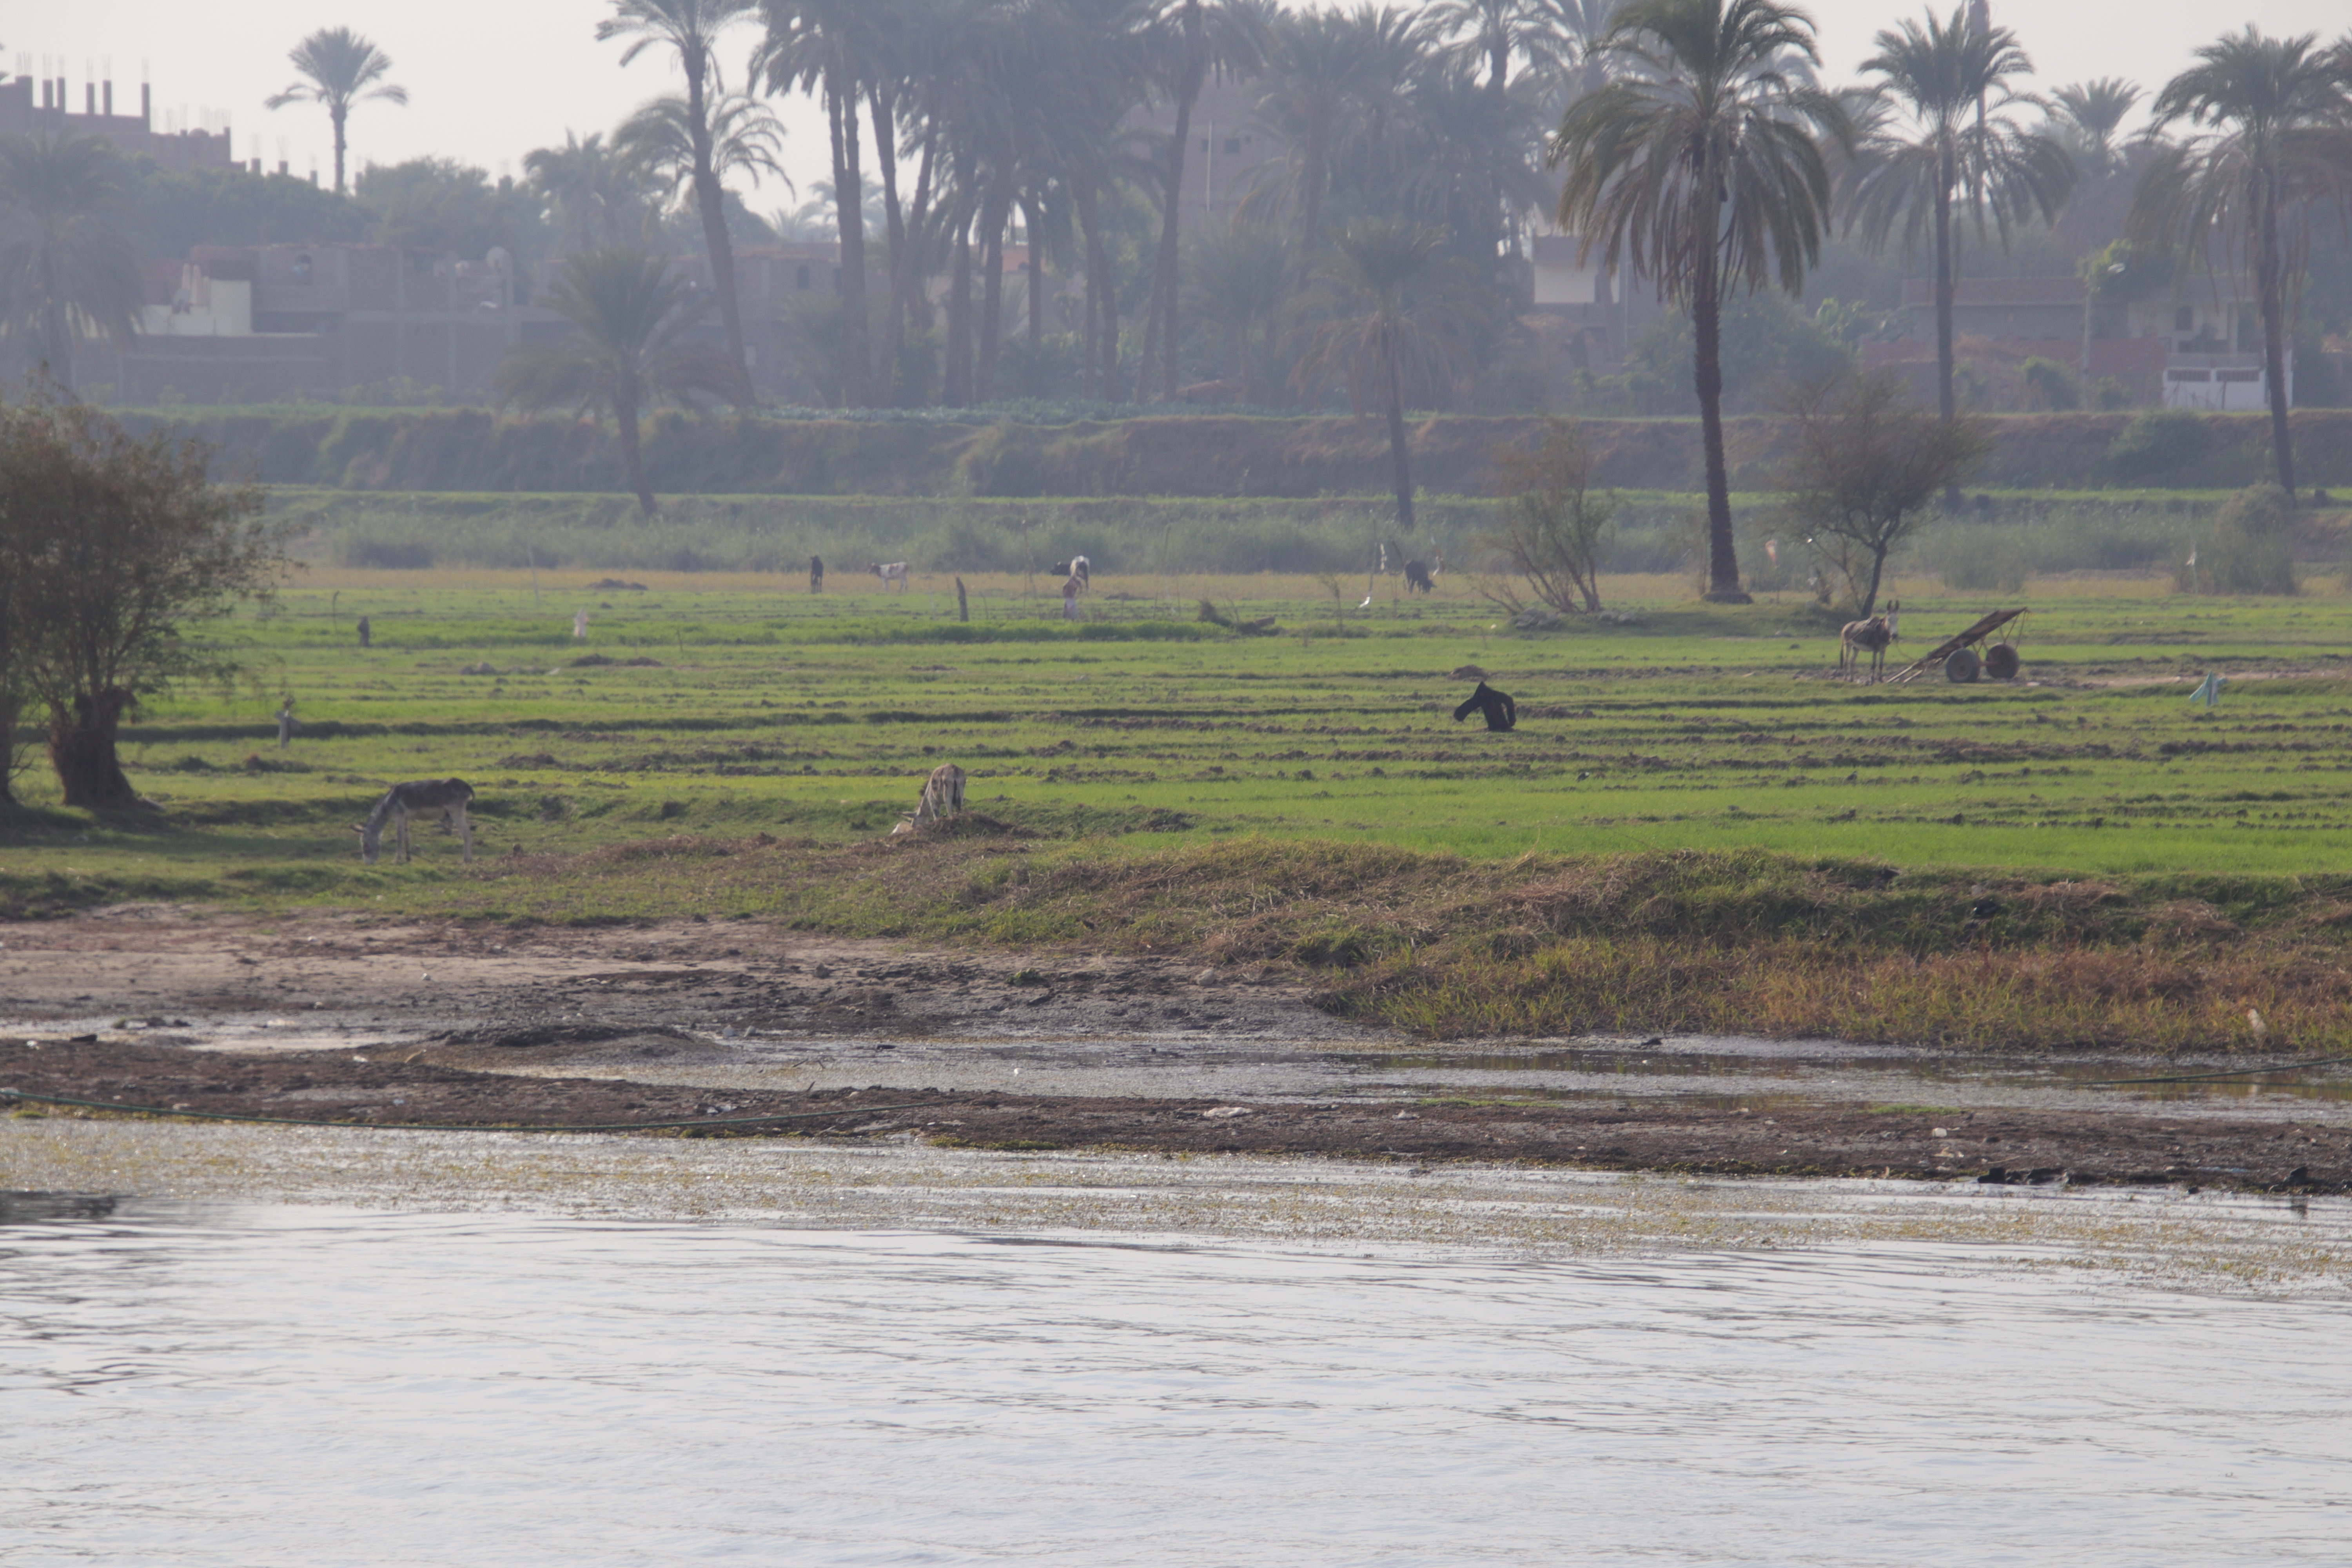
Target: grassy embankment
(1695,829)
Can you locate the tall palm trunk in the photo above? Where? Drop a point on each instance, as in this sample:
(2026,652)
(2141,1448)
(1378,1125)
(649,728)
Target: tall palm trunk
(1400,460)
(633,455)
(958,390)
(1029,219)
(1159,321)
(1083,191)
(893,334)
(2274,338)
(849,219)
(337,115)
(710,202)
(1310,195)
(1946,286)
(1707,329)
(996,213)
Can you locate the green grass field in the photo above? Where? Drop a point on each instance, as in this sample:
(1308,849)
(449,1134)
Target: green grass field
(1695,824)
(733,704)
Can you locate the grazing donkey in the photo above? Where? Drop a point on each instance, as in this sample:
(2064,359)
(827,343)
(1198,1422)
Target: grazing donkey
(890,572)
(1870,637)
(942,797)
(443,798)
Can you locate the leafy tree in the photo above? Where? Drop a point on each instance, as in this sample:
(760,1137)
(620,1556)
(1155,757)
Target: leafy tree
(440,204)
(1766,341)
(178,210)
(1706,173)
(2271,149)
(627,352)
(656,143)
(339,68)
(1939,143)
(67,263)
(1861,464)
(113,550)
(1389,306)
(1553,527)
(691,29)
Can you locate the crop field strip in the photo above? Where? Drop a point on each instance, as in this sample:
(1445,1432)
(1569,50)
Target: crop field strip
(759,709)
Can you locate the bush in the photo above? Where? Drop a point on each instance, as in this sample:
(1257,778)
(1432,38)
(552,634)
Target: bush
(2049,384)
(2250,549)
(2162,446)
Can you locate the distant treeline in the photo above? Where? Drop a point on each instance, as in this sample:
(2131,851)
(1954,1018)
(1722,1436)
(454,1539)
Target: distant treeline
(464,449)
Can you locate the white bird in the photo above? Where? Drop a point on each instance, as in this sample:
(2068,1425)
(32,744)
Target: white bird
(1367,603)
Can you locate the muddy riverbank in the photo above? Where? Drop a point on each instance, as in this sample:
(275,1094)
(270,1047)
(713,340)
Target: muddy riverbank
(732,1029)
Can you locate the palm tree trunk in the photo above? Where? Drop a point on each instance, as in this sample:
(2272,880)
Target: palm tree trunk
(958,390)
(633,456)
(1160,324)
(1399,459)
(336,114)
(1030,223)
(2274,343)
(995,214)
(1311,197)
(1083,189)
(849,224)
(1707,328)
(1945,289)
(711,201)
(894,335)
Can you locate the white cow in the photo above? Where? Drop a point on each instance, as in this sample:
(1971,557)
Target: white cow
(890,572)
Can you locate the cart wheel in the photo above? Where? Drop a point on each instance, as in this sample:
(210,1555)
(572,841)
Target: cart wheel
(1961,666)
(2001,662)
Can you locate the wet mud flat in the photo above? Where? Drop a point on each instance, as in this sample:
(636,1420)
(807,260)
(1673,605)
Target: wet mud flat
(708,1028)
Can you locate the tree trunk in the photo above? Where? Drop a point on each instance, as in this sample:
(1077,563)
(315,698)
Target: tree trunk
(1084,191)
(849,218)
(1945,289)
(633,457)
(894,335)
(1706,327)
(1029,220)
(81,750)
(957,393)
(2275,343)
(337,116)
(996,212)
(1159,319)
(1310,198)
(711,201)
(1399,459)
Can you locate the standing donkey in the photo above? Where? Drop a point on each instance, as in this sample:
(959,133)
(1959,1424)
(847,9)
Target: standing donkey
(444,798)
(942,797)
(1870,637)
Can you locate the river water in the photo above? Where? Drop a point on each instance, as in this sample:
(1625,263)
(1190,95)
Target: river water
(968,1365)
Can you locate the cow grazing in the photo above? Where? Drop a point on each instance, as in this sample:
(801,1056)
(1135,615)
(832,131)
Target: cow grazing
(890,572)
(444,798)
(1417,578)
(1501,713)
(1871,637)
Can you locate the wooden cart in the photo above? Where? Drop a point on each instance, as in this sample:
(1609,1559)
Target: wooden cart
(1958,657)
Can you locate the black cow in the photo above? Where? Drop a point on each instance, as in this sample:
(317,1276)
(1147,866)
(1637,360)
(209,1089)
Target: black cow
(1416,575)
(1501,713)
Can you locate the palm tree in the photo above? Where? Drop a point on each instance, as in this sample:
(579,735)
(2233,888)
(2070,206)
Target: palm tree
(692,27)
(591,191)
(741,137)
(627,351)
(1236,287)
(1704,171)
(2092,112)
(1492,32)
(1942,146)
(2274,146)
(339,70)
(67,263)
(1326,71)
(1389,305)
(1197,37)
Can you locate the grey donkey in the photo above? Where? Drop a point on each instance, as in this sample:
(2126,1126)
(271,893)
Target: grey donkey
(444,798)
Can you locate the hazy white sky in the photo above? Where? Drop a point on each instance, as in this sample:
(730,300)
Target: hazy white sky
(489,79)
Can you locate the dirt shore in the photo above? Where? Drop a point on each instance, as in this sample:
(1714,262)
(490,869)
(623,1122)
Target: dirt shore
(334,1018)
